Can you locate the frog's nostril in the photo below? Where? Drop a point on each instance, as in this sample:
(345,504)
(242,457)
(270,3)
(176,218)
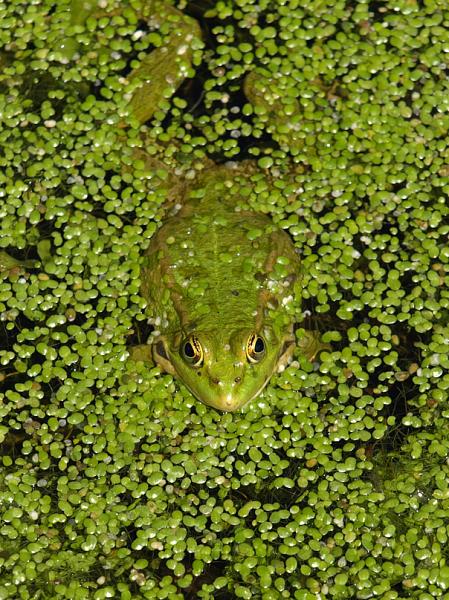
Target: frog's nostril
(215,380)
(238,379)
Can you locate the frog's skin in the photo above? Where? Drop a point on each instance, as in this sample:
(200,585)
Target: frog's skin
(218,283)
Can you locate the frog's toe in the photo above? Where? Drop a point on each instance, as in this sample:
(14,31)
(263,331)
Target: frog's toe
(141,352)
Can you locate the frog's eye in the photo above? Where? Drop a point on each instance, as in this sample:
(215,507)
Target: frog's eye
(255,348)
(192,352)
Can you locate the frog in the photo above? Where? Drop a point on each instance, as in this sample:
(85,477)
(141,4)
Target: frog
(219,279)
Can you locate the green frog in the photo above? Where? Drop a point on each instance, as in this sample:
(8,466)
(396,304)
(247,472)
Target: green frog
(220,280)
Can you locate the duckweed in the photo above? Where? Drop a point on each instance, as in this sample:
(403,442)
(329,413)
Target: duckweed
(114,480)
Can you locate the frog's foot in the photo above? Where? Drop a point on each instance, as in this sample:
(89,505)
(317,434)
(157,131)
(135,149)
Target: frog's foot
(142,352)
(151,85)
(162,71)
(310,344)
(154,354)
(138,365)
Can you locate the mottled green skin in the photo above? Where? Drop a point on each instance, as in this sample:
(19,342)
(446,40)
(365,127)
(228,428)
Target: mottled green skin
(222,275)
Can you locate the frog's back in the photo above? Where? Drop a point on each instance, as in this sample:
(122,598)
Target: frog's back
(212,264)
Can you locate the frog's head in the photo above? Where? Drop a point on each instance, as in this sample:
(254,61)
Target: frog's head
(224,369)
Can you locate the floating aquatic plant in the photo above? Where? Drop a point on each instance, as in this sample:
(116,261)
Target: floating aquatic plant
(115,481)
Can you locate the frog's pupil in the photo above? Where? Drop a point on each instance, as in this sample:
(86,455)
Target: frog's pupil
(189,350)
(259,345)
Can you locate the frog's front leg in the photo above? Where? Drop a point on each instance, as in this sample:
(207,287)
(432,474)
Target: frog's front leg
(288,349)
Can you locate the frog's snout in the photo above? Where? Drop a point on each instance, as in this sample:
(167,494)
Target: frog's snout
(225,388)
(228,400)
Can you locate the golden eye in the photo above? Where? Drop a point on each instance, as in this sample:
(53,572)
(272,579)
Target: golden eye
(255,348)
(192,352)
